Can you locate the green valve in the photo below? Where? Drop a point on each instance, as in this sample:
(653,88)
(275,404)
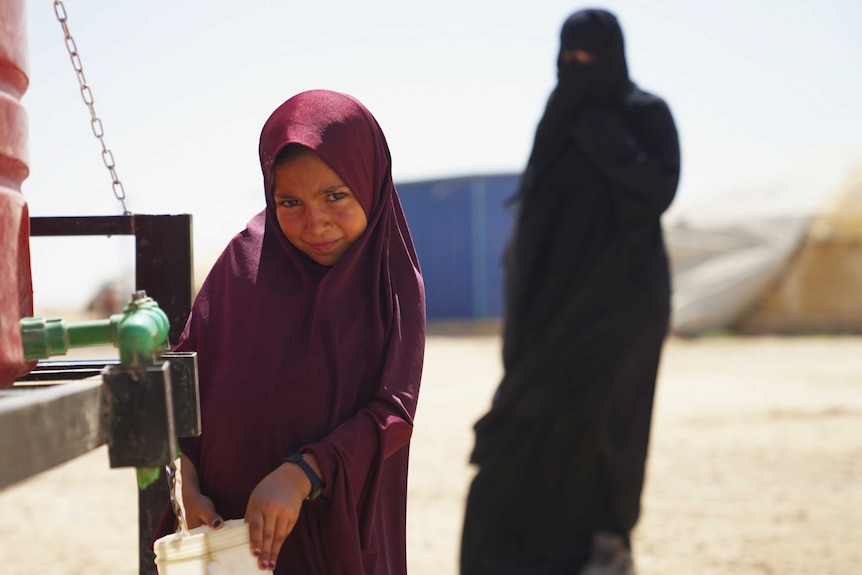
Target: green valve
(139,332)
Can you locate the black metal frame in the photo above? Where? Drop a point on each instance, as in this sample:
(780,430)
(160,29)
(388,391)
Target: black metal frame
(164,269)
(163,254)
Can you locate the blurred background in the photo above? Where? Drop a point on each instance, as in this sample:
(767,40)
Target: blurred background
(764,93)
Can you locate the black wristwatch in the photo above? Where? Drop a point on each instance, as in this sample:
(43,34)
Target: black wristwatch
(316,481)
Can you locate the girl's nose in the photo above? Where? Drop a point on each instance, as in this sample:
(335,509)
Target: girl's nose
(316,218)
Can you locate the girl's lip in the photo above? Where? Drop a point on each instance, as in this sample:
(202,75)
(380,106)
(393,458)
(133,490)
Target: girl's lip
(323,246)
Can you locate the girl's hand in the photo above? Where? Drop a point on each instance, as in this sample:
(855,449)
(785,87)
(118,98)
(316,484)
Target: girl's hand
(199,509)
(273,509)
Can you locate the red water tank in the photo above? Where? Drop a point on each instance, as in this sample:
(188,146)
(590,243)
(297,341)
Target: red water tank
(16,284)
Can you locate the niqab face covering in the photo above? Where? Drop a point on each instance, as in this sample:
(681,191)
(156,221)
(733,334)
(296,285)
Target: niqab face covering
(604,81)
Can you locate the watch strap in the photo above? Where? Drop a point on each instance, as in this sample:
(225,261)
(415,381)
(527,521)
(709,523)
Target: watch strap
(316,481)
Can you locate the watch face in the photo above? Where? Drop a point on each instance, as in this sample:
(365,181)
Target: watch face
(315,493)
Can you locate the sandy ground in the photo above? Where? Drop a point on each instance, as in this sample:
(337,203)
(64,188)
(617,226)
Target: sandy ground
(755,468)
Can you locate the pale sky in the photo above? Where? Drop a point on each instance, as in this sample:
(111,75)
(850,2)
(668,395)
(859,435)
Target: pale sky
(765,94)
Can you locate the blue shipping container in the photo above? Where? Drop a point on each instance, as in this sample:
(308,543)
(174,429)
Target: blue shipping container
(460,227)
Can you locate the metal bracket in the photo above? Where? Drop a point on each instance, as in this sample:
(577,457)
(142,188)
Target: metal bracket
(138,415)
(184,389)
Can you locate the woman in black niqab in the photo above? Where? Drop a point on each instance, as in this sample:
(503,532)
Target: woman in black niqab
(578,85)
(562,450)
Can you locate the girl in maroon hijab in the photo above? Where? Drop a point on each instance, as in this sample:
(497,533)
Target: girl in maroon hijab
(310,337)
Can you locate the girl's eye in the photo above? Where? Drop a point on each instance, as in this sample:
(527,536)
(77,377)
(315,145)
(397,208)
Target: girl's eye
(290,203)
(335,196)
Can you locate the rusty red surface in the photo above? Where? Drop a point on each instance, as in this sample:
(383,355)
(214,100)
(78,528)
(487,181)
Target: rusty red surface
(16,286)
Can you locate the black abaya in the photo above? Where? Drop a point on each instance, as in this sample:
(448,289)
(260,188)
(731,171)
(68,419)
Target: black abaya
(561,453)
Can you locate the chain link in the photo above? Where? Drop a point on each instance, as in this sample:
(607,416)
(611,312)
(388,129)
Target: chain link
(87,95)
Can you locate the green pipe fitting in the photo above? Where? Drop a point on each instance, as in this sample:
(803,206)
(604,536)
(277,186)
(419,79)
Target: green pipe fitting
(43,338)
(140,332)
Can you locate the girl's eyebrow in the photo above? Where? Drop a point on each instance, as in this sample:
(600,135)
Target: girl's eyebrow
(326,190)
(330,189)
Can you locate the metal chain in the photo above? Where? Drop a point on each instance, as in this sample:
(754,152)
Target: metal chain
(87,95)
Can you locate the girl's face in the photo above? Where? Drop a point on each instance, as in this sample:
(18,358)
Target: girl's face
(316,210)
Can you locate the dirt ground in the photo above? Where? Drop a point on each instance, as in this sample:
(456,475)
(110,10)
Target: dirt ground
(755,468)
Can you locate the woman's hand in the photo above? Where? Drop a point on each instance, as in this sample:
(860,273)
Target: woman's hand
(273,509)
(199,509)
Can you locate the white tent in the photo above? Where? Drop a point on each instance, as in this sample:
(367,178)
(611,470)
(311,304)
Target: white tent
(777,262)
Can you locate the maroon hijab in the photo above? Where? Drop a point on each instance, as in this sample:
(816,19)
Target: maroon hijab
(296,356)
